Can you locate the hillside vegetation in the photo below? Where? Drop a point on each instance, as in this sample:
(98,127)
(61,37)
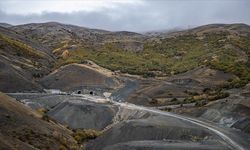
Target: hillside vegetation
(166,56)
(20,48)
(218,46)
(21,62)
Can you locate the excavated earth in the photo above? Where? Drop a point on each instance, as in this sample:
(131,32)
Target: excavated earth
(124,128)
(73,111)
(26,66)
(75,77)
(153,92)
(233,111)
(167,131)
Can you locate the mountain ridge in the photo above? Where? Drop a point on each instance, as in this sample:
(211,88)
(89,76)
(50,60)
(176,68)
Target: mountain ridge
(74,76)
(218,46)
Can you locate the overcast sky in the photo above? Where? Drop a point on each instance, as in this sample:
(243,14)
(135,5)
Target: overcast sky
(132,15)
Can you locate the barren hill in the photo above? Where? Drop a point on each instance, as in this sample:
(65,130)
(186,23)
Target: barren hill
(21,128)
(75,76)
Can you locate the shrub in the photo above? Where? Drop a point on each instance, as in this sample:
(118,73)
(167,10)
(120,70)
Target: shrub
(235,83)
(160,56)
(153,101)
(82,135)
(167,109)
(205,90)
(43,112)
(200,103)
(148,75)
(221,95)
(174,99)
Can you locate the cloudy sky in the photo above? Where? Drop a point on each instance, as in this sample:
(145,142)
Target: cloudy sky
(132,15)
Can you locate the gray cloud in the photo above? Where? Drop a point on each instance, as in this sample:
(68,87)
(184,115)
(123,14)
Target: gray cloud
(150,15)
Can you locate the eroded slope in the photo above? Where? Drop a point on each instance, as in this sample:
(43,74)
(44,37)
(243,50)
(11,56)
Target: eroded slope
(21,128)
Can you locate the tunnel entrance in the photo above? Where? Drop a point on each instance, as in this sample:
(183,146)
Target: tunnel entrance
(79,92)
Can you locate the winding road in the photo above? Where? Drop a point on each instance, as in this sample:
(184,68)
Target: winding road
(215,129)
(234,145)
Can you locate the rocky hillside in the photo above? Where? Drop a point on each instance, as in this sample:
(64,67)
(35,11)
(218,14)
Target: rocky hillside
(22,61)
(203,72)
(61,37)
(237,29)
(220,46)
(21,128)
(102,125)
(74,77)
(223,47)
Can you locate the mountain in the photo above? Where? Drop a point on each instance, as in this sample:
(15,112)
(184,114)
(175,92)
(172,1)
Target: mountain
(202,72)
(28,51)
(61,36)
(238,28)
(223,47)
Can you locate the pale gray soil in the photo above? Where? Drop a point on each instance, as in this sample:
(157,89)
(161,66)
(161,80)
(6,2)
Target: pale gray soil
(77,77)
(129,127)
(167,144)
(84,115)
(158,129)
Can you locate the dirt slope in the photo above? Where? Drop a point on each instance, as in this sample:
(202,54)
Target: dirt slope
(160,92)
(161,135)
(21,128)
(76,77)
(21,62)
